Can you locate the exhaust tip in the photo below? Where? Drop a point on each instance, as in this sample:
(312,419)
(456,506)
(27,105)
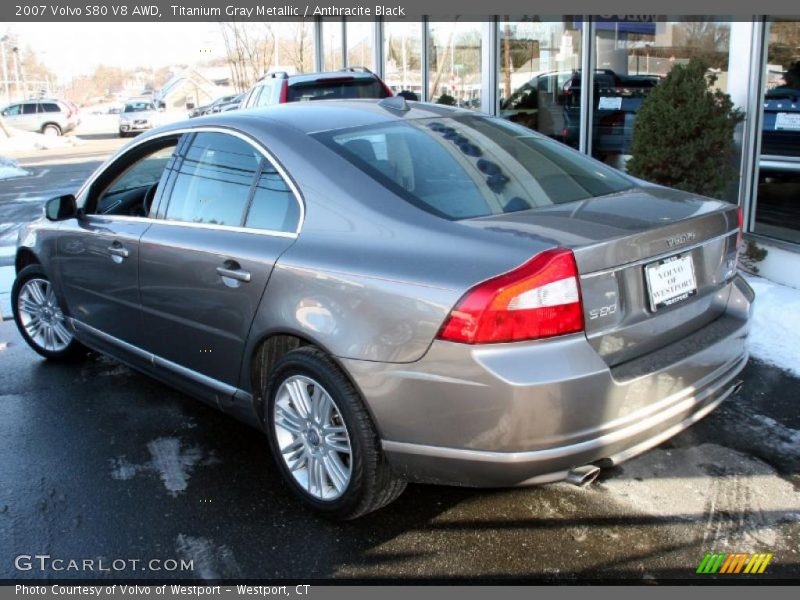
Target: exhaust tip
(583,475)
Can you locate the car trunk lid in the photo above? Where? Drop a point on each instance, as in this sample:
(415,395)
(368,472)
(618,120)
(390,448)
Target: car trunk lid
(619,238)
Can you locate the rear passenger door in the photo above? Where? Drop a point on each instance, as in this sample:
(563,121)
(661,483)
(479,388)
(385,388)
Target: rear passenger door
(205,261)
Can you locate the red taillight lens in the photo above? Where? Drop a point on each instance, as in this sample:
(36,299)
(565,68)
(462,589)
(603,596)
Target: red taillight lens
(284,92)
(386,89)
(539,299)
(740,216)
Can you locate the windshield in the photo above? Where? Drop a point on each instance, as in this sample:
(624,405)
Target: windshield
(138,107)
(472,166)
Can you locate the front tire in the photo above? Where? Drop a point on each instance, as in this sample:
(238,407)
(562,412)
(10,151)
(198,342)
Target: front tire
(52,130)
(323,439)
(39,317)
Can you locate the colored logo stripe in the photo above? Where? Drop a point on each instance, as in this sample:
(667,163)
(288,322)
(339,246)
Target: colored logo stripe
(738,562)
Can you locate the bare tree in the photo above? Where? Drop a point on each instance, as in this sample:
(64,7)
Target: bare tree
(249,50)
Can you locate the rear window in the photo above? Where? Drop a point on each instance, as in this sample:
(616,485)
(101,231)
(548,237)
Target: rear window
(335,89)
(471,166)
(138,107)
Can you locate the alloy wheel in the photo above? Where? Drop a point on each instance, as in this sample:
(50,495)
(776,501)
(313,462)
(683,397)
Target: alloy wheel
(312,437)
(41,316)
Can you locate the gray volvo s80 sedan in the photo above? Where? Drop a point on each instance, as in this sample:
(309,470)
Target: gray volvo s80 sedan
(396,292)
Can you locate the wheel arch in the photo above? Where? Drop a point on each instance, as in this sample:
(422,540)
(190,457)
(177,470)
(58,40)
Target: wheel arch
(25,257)
(269,348)
(46,124)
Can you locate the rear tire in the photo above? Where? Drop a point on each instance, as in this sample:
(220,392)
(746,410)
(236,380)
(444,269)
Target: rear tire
(327,451)
(39,318)
(51,129)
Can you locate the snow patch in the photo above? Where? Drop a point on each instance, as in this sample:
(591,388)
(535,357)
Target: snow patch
(9,168)
(208,561)
(775,326)
(28,140)
(171,462)
(740,499)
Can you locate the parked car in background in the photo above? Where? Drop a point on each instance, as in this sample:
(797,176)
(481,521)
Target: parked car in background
(616,99)
(212,107)
(350,83)
(396,292)
(138,116)
(232,104)
(781,129)
(43,115)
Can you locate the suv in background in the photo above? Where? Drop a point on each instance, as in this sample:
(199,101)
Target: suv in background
(47,116)
(350,83)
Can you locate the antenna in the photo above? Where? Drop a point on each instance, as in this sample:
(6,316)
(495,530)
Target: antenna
(397,103)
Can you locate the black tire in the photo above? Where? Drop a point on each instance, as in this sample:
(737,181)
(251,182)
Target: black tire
(74,349)
(52,127)
(372,483)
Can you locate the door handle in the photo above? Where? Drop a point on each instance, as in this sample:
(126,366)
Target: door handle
(237,274)
(118,252)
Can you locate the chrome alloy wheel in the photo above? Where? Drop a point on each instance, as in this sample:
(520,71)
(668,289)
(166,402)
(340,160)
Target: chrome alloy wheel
(312,437)
(41,316)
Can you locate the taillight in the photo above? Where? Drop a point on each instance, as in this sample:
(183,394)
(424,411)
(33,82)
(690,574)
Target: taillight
(386,89)
(740,217)
(284,92)
(538,299)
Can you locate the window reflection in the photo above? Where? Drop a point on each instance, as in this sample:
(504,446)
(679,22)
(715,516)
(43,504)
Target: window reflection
(454,62)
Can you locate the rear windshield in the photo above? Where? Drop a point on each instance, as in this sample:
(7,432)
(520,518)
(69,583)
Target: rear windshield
(138,107)
(336,89)
(472,166)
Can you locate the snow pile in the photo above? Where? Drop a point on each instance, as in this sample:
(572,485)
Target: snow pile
(27,140)
(775,327)
(9,169)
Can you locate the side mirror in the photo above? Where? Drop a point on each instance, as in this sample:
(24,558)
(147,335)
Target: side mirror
(61,208)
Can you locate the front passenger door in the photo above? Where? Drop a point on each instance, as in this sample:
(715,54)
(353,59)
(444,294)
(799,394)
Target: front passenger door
(205,261)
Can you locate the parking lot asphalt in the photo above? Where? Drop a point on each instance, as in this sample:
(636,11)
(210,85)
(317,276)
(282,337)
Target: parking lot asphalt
(98,462)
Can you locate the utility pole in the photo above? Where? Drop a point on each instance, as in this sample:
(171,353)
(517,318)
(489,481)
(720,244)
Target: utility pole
(3,41)
(15,52)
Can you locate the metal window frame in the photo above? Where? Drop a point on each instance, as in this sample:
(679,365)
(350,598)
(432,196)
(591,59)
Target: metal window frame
(490,52)
(588,51)
(751,143)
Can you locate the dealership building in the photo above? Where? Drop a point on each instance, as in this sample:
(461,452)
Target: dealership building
(530,69)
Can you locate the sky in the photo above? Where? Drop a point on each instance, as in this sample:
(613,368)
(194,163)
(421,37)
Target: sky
(72,49)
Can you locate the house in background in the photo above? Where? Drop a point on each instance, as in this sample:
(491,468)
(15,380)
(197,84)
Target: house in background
(192,87)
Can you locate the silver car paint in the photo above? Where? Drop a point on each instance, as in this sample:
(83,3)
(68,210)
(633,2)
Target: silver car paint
(371,278)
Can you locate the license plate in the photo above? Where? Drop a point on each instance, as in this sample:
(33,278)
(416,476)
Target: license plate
(787,121)
(670,281)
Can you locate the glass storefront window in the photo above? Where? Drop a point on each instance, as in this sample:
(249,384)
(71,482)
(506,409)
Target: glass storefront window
(454,64)
(632,57)
(332,45)
(360,44)
(778,197)
(294,46)
(538,59)
(402,54)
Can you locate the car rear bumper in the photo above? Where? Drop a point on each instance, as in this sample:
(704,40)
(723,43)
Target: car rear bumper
(518,414)
(132,127)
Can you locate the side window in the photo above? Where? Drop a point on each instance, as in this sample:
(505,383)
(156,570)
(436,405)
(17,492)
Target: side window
(132,190)
(274,206)
(13,110)
(252,97)
(49,107)
(213,182)
(265,98)
(29,108)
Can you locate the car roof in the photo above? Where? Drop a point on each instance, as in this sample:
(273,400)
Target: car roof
(319,115)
